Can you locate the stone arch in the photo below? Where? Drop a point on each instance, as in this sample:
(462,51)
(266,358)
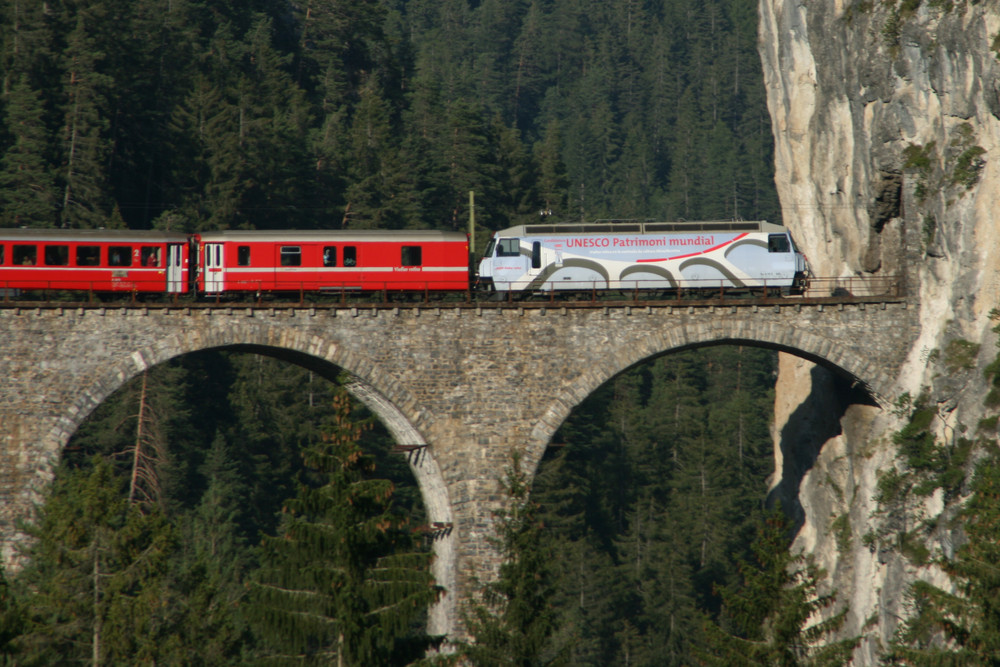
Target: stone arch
(808,345)
(322,354)
(385,397)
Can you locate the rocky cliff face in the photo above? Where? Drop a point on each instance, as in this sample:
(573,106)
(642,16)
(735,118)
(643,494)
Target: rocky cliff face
(886,118)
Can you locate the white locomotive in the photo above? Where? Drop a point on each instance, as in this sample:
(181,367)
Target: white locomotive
(643,255)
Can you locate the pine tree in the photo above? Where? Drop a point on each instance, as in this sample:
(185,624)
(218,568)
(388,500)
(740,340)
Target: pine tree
(27,188)
(517,199)
(206,157)
(960,627)
(272,130)
(577,489)
(150,48)
(216,558)
(530,74)
(276,410)
(27,45)
(379,195)
(85,200)
(343,581)
(766,620)
(96,576)
(466,154)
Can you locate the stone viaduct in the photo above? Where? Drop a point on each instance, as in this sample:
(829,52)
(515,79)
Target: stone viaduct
(465,384)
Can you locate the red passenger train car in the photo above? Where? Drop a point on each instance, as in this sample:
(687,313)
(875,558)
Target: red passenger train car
(94,260)
(331,261)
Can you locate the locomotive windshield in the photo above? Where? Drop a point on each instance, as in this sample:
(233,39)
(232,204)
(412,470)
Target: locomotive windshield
(778,243)
(489,247)
(509,248)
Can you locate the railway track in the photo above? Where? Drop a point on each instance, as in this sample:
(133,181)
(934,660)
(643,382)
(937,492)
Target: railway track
(821,291)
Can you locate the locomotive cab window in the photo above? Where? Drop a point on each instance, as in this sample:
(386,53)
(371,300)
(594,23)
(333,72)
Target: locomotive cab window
(489,248)
(120,255)
(508,248)
(329,255)
(243,255)
(291,255)
(150,256)
(88,255)
(57,255)
(350,255)
(1,253)
(411,255)
(25,255)
(778,243)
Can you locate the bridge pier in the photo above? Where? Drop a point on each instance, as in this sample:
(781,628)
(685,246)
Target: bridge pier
(462,387)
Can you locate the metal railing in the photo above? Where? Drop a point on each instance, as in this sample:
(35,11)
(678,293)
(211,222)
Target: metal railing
(854,286)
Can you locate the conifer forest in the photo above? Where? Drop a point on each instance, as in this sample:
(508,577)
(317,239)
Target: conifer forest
(228,508)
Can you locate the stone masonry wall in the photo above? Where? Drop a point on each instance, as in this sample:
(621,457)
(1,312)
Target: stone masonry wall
(473,384)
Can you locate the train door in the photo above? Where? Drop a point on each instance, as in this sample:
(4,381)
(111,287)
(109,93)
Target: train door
(535,263)
(214,268)
(175,267)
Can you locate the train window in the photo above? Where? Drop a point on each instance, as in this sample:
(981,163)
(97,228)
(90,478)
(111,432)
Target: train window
(25,255)
(120,255)
(536,255)
(509,248)
(291,255)
(150,256)
(350,255)
(489,248)
(88,255)
(777,243)
(1,253)
(330,255)
(57,255)
(411,255)
(243,255)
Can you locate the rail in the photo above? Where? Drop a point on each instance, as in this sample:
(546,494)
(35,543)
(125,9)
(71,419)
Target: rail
(854,289)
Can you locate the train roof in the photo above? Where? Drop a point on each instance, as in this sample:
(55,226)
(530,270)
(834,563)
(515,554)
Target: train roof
(643,227)
(48,235)
(332,236)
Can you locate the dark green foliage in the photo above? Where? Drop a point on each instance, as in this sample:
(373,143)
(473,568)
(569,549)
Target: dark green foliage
(231,427)
(931,464)
(960,628)
(967,167)
(191,116)
(651,502)
(992,373)
(85,197)
(916,442)
(98,583)
(919,157)
(766,618)
(27,187)
(342,581)
(928,465)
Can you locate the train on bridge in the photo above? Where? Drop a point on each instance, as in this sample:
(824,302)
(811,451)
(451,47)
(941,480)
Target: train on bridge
(527,259)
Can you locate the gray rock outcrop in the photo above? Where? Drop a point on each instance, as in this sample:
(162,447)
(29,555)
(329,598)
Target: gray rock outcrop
(886,119)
